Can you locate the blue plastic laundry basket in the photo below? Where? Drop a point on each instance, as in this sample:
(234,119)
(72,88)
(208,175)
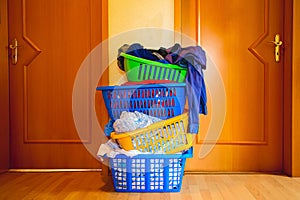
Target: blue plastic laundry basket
(149,172)
(159,100)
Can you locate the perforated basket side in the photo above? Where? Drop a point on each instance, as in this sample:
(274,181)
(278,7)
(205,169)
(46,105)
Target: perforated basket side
(149,173)
(139,69)
(169,136)
(159,100)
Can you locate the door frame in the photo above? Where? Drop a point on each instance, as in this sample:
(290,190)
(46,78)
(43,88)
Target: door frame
(294,136)
(4,88)
(288,87)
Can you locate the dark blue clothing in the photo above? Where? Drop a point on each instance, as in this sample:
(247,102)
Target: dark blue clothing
(194,59)
(108,129)
(139,51)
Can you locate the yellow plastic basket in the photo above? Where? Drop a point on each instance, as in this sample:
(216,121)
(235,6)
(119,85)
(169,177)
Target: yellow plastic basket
(169,136)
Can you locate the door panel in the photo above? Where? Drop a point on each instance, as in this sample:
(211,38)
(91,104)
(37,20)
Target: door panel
(54,37)
(236,36)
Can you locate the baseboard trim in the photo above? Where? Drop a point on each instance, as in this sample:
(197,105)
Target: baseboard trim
(229,173)
(54,170)
(2,171)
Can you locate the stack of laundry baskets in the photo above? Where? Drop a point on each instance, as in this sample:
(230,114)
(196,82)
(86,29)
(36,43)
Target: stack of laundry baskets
(156,90)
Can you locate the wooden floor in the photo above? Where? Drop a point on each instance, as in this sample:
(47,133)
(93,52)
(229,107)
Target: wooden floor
(91,185)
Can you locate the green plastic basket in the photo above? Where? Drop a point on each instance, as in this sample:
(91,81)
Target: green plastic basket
(140,69)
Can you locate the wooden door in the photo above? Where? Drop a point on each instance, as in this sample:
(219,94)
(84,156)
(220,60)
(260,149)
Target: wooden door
(237,37)
(54,38)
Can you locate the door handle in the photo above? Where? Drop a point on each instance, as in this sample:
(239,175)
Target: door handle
(277,43)
(14,53)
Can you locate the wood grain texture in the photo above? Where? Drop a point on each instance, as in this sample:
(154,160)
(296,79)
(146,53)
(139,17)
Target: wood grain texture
(92,185)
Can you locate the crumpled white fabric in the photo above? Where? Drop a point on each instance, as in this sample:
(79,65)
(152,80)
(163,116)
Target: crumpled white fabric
(110,149)
(130,121)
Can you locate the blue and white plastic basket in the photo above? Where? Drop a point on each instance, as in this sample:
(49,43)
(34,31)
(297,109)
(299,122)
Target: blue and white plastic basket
(149,172)
(158,100)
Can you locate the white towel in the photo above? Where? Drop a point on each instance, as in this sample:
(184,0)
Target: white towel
(110,149)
